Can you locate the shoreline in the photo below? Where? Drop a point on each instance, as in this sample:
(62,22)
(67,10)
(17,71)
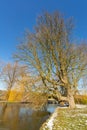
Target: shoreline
(51,122)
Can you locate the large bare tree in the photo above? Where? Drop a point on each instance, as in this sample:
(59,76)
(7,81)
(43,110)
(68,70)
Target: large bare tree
(52,54)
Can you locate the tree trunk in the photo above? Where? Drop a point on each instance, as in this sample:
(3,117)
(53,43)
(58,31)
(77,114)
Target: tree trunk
(71,99)
(8,95)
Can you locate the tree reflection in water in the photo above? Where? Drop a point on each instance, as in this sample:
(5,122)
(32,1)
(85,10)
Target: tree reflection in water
(21,117)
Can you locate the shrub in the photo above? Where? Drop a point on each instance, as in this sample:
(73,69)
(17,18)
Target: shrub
(81,99)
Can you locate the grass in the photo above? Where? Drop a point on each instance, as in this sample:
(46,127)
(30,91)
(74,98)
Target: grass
(69,119)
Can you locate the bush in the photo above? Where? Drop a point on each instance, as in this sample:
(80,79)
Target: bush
(81,99)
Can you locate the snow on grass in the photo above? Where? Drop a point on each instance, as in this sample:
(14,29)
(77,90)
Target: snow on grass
(81,106)
(48,125)
(50,122)
(67,119)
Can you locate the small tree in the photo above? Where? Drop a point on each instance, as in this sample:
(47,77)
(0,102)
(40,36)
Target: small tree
(12,75)
(53,55)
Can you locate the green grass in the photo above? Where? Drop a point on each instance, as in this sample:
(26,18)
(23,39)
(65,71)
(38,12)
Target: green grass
(67,119)
(71,120)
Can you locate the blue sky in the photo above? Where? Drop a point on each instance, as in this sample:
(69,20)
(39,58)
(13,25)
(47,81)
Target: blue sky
(18,15)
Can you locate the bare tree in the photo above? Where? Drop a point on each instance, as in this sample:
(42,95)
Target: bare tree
(12,75)
(53,55)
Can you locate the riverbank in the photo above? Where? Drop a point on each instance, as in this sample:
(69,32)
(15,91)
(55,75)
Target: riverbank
(67,119)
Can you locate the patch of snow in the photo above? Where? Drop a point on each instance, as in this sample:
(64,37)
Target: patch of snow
(82,114)
(86,122)
(81,106)
(50,122)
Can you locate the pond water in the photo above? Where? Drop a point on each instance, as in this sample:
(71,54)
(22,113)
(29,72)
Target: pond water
(22,117)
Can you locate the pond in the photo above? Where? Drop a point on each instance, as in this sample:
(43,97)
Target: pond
(22,117)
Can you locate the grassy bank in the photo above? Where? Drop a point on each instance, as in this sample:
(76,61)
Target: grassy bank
(67,119)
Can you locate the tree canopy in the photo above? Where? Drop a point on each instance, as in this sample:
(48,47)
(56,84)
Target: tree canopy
(52,54)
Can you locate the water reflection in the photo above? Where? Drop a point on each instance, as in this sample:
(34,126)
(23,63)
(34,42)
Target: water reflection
(21,117)
(51,107)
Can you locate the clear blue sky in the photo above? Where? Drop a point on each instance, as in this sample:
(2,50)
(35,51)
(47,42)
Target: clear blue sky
(18,15)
